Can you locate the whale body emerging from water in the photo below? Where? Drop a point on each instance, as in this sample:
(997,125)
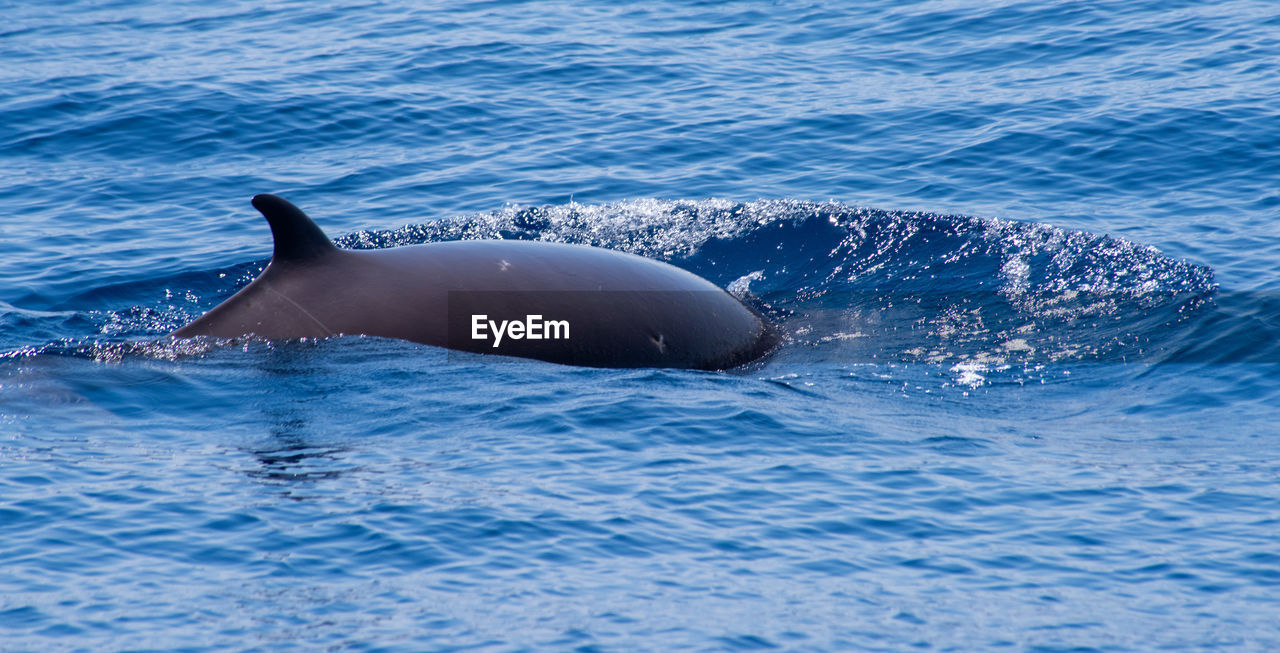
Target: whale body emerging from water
(567,304)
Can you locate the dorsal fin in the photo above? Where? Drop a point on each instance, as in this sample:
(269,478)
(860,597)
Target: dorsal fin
(297,236)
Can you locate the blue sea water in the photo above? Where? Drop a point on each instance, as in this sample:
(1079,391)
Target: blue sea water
(1024,256)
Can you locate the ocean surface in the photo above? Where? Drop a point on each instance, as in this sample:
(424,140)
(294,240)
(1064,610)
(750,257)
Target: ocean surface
(1024,257)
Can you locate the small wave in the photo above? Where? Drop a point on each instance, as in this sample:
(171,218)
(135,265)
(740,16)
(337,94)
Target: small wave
(857,284)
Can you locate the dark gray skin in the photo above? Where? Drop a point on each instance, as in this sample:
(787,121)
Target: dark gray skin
(622,310)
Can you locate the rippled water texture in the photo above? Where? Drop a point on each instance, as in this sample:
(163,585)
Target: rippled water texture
(1023,258)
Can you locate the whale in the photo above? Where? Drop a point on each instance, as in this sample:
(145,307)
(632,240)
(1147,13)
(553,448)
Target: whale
(555,302)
